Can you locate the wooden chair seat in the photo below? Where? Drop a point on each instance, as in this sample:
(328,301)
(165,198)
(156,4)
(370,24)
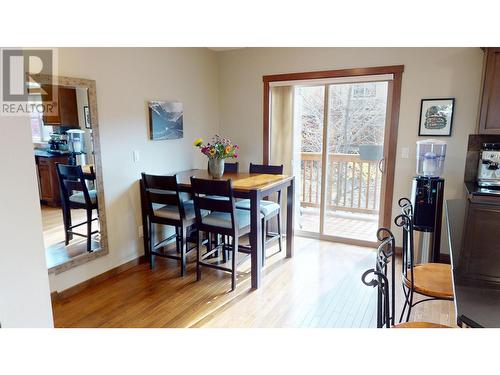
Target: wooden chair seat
(432,280)
(419,325)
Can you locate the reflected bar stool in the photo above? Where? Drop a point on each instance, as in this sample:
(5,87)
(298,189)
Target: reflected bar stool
(76,195)
(431,280)
(166,207)
(386,290)
(268,208)
(216,196)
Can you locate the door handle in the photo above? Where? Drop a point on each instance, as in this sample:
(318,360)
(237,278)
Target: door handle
(381,165)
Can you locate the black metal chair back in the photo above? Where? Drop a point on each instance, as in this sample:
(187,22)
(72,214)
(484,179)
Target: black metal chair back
(162,190)
(71,180)
(407,263)
(214,196)
(386,296)
(406,207)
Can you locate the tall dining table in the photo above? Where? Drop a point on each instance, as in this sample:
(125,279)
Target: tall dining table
(253,186)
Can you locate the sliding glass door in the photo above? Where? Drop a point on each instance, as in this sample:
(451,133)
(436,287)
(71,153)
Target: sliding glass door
(355,133)
(339,133)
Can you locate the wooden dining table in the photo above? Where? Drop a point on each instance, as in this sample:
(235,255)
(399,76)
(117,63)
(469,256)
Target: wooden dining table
(253,186)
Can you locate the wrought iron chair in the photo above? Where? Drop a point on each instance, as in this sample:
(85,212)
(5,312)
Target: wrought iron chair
(165,206)
(431,280)
(385,289)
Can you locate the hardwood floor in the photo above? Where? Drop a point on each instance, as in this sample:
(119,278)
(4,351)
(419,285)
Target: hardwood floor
(319,287)
(56,252)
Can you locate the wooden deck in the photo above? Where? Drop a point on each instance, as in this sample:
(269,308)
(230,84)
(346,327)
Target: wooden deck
(319,287)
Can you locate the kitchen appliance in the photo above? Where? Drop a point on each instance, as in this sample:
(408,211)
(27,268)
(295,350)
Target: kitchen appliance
(427,200)
(76,144)
(488,170)
(57,143)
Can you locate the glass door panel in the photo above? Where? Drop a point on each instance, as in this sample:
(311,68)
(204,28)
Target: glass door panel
(355,142)
(309,107)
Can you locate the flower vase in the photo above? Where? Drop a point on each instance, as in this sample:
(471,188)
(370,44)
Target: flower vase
(216,168)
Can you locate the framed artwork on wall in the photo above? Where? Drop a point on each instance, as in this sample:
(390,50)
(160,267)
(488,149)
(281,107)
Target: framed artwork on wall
(436,117)
(165,120)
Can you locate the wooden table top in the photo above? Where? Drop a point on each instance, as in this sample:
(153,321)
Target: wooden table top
(241,181)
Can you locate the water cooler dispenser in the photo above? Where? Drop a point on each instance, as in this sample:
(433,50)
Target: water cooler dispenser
(427,200)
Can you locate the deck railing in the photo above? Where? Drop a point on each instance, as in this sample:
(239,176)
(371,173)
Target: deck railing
(352,184)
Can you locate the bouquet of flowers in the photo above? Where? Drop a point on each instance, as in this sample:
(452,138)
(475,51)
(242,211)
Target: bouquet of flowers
(220,148)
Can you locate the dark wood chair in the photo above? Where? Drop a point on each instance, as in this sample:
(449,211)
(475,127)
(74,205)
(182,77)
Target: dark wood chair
(431,280)
(378,277)
(231,167)
(268,208)
(228,167)
(165,206)
(76,195)
(216,197)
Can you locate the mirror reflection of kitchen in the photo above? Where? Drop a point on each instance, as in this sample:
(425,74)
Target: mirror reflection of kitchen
(64,155)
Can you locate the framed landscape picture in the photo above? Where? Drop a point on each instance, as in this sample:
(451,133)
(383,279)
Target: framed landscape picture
(436,117)
(165,120)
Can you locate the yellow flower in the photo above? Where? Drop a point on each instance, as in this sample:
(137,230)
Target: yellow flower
(212,151)
(198,142)
(228,149)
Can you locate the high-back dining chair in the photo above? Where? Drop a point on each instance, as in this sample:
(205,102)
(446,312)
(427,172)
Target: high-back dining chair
(76,195)
(378,277)
(165,206)
(216,197)
(268,208)
(431,280)
(229,167)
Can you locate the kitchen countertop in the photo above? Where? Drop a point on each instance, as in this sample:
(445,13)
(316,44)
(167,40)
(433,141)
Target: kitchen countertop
(477,304)
(474,189)
(45,154)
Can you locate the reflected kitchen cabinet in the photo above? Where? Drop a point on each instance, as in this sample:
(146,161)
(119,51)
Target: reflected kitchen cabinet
(48,182)
(63,110)
(489,118)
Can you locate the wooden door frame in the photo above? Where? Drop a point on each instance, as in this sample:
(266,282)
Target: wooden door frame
(391,129)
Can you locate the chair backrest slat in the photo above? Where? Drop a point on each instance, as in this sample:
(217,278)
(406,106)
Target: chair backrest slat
(162,190)
(71,180)
(215,196)
(266,169)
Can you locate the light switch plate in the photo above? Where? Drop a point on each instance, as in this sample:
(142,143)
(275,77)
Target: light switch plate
(136,156)
(405,152)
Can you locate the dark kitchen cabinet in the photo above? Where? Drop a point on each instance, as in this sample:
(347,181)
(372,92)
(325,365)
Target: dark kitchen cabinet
(63,111)
(48,183)
(480,259)
(489,116)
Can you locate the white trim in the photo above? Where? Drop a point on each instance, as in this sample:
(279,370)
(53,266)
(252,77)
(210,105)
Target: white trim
(331,81)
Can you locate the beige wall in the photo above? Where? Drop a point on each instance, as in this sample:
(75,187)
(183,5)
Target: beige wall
(24,283)
(429,73)
(126,79)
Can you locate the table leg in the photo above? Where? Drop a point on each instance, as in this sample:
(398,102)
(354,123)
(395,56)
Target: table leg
(255,238)
(290,212)
(144,214)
